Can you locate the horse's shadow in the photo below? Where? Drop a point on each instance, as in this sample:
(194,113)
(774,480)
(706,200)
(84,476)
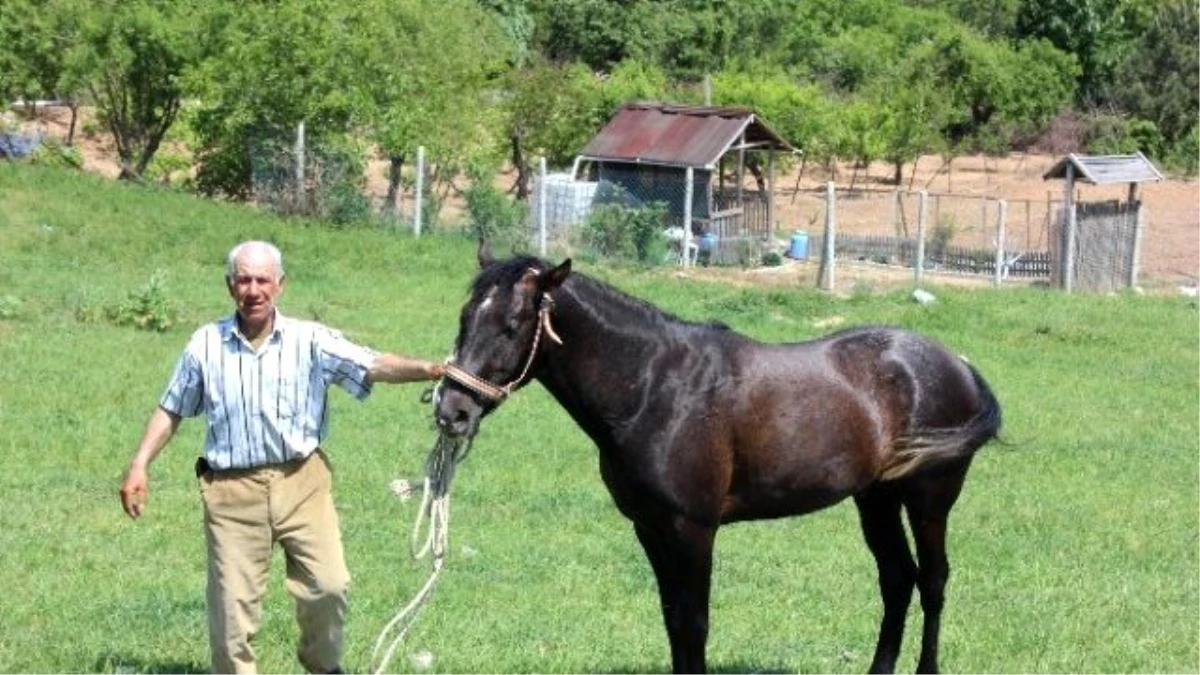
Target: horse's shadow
(716,668)
(111,663)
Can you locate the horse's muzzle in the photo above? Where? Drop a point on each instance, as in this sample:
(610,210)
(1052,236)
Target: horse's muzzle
(457,414)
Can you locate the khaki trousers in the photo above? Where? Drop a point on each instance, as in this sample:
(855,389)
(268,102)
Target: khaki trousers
(246,512)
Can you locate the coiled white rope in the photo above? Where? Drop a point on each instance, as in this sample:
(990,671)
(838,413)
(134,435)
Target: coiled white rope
(432,525)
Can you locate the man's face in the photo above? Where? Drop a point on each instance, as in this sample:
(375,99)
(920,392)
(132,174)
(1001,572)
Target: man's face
(255,285)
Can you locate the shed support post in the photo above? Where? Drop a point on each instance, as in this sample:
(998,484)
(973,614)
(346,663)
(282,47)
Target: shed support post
(1068,264)
(686,244)
(771,196)
(1138,222)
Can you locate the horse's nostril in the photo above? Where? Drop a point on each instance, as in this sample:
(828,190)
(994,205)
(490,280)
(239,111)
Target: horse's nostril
(454,420)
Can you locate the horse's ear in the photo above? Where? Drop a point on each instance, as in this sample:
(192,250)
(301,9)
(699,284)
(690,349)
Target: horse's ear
(485,253)
(557,276)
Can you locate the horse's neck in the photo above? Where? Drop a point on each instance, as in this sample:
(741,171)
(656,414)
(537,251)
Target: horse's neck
(607,339)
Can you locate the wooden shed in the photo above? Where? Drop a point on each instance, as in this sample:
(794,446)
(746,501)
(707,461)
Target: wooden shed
(1096,245)
(650,149)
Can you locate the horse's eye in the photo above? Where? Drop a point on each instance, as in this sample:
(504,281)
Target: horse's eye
(510,328)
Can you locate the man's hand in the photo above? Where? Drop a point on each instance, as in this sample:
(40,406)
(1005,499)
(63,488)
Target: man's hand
(134,491)
(436,371)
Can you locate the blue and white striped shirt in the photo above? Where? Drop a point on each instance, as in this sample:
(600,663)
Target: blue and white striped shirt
(267,406)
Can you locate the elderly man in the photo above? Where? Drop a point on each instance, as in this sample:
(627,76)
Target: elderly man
(261,379)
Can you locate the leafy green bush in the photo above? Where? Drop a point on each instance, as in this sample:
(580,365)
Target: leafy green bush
(495,217)
(53,152)
(1112,135)
(939,240)
(166,164)
(148,308)
(629,233)
(1184,155)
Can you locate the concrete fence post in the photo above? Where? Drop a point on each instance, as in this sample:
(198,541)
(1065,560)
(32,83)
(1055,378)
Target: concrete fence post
(825,279)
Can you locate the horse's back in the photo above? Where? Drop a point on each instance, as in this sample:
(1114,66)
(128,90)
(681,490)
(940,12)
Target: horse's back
(818,421)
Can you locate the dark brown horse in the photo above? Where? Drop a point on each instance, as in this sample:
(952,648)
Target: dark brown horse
(698,426)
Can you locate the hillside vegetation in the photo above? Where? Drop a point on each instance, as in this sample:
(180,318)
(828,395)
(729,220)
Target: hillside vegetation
(206,90)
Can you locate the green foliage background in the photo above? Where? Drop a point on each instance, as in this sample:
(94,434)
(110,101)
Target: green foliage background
(487,82)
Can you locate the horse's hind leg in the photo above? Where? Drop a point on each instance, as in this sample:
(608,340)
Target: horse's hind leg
(879,514)
(682,562)
(928,502)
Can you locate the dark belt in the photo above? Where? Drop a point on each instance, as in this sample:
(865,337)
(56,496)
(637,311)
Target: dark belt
(203,467)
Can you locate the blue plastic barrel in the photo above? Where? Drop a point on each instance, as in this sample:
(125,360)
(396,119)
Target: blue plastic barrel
(708,242)
(799,248)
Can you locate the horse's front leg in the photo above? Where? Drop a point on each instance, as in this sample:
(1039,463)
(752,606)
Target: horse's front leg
(681,555)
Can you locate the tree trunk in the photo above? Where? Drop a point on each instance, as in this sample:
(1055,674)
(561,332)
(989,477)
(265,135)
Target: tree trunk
(518,161)
(395,166)
(799,177)
(74,107)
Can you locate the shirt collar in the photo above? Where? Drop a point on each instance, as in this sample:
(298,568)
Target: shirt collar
(229,328)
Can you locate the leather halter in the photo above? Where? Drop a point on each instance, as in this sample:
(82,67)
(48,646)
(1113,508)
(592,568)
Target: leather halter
(499,393)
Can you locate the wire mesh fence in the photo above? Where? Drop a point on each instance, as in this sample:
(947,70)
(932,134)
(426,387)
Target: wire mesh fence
(335,179)
(638,212)
(937,233)
(1097,250)
(292,176)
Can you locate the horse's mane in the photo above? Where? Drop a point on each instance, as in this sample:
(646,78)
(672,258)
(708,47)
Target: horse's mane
(505,273)
(508,272)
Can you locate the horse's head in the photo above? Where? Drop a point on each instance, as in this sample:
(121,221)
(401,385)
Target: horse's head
(503,326)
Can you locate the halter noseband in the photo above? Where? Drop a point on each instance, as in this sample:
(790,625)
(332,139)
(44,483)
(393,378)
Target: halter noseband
(499,393)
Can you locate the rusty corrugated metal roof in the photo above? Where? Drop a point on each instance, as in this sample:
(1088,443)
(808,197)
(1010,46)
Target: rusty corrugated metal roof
(678,135)
(1106,169)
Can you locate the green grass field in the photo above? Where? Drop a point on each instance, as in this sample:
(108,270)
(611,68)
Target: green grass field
(1074,546)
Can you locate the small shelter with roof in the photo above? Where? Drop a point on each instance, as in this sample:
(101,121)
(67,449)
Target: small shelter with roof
(666,153)
(1097,244)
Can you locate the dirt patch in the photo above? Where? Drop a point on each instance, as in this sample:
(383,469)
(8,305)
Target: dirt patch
(1170,253)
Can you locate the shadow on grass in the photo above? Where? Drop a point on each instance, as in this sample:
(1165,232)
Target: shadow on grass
(115,663)
(715,668)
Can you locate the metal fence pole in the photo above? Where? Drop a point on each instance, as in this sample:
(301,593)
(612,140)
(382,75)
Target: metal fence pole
(418,197)
(300,197)
(897,208)
(922,213)
(825,277)
(1001,216)
(686,244)
(541,216)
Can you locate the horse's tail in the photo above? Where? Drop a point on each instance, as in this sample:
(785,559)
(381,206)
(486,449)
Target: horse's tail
(928,447)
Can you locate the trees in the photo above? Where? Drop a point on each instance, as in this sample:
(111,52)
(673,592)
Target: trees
(430,68)
(395,74)
(34,63)
(272,66)
(1097,32)
(482,80)
(130,57)
(1159,80)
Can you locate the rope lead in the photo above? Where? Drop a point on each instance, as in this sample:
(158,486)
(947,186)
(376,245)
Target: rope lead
(433,527)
